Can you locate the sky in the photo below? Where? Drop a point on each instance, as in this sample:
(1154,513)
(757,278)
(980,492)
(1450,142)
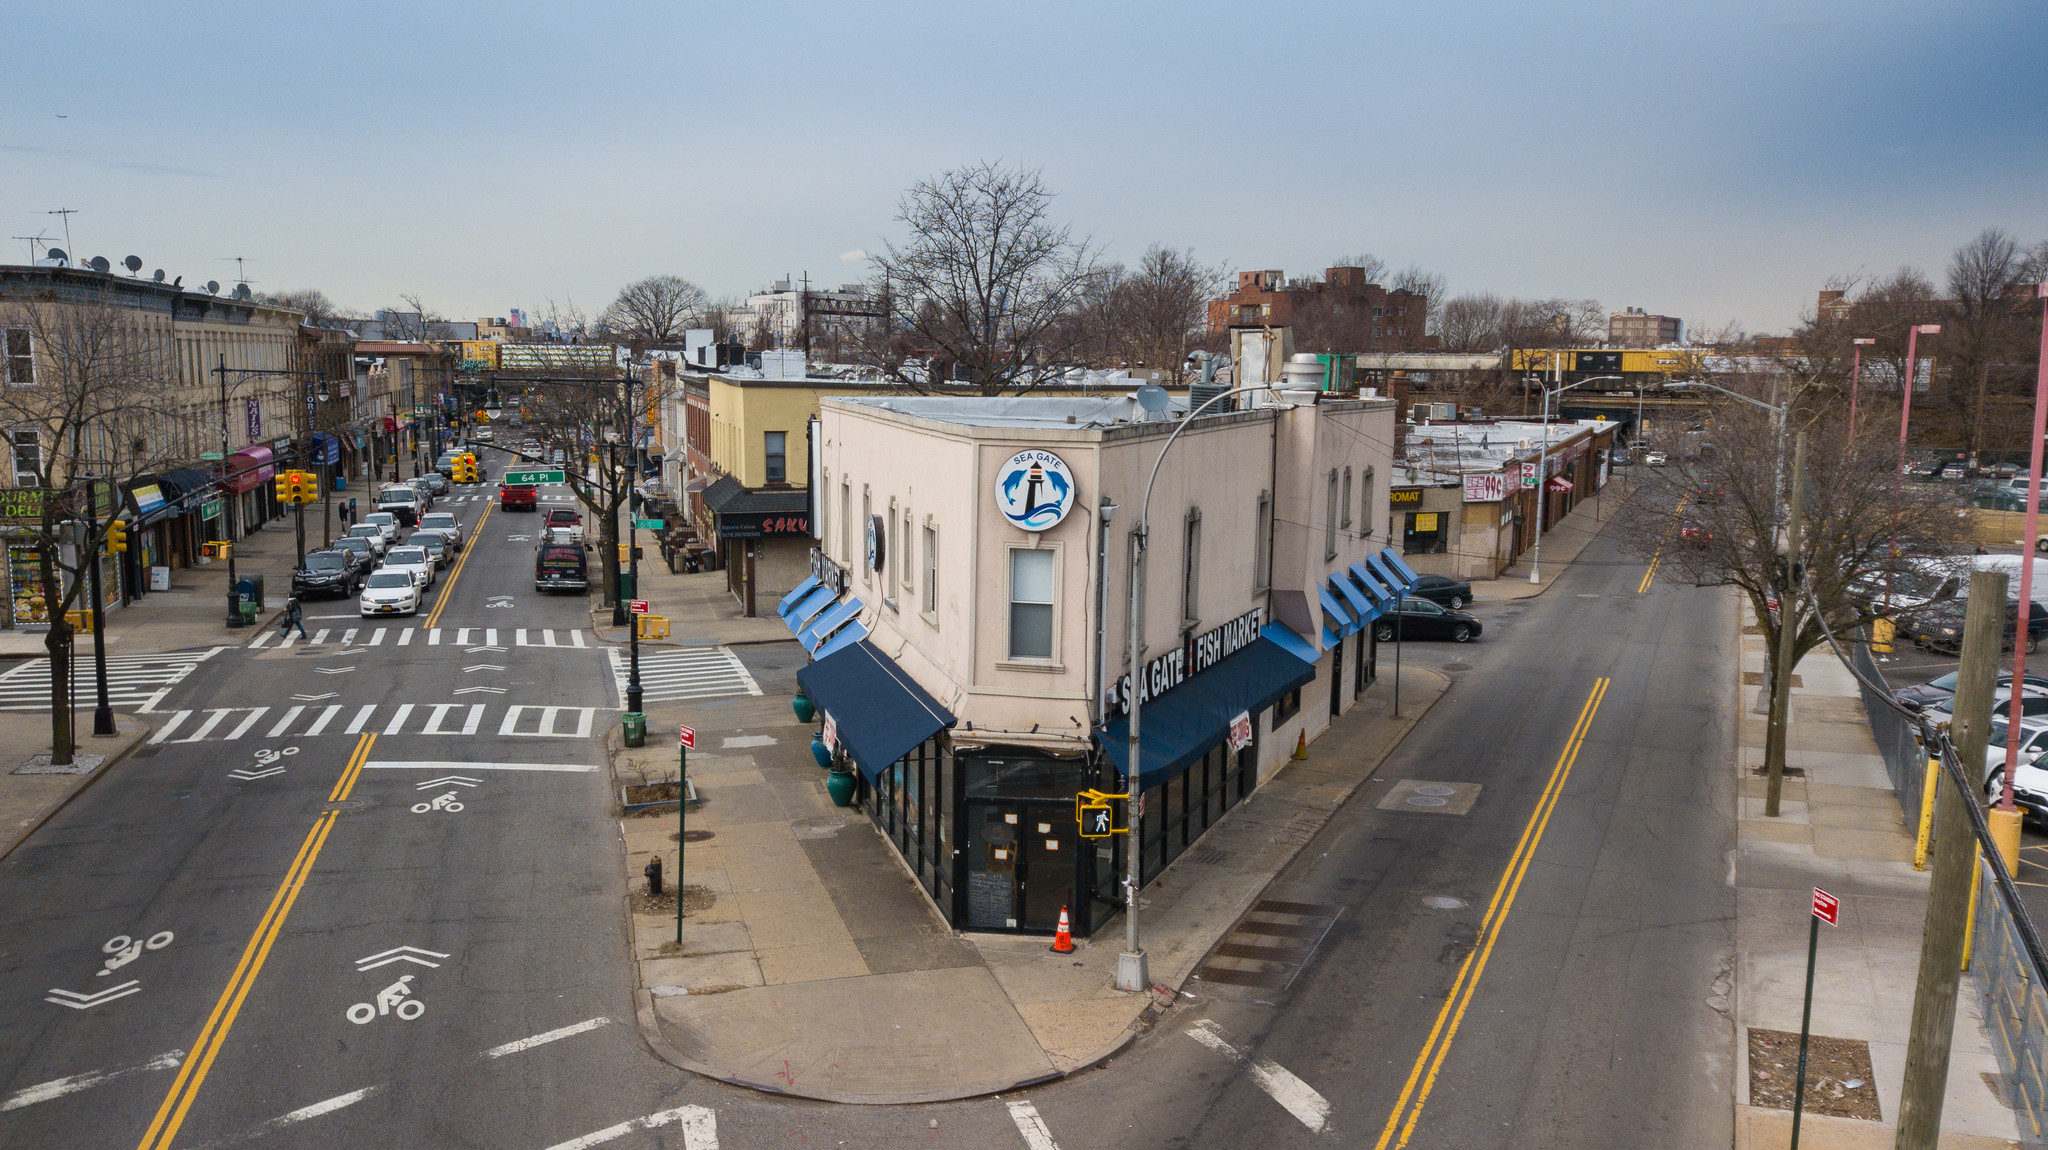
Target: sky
(1716,162)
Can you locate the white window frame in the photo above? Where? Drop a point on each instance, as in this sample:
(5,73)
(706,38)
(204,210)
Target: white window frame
(1030,662)
(766,455)
(8,356)
(1330,519)
(1191,569)
(16,441)
(931,572)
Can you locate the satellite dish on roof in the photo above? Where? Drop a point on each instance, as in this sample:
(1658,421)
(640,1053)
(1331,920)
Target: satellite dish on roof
(241,291)
(159,276)
(212,287)
(99,264)
(133,264)
(1152,397)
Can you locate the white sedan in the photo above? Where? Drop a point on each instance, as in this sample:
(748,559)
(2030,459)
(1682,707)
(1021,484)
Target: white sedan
(390,593)
(414,561)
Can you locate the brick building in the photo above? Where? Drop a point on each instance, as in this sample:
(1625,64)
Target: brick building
(1633,327)
(1383,318)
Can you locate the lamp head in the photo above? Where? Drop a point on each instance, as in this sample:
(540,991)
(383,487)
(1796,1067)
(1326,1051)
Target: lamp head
(1863,342)
(1928,328)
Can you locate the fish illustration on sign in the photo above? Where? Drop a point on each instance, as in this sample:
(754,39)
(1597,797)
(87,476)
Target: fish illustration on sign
(1035,490)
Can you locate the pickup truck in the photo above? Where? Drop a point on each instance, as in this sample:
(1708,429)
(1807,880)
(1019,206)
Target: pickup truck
(518,497)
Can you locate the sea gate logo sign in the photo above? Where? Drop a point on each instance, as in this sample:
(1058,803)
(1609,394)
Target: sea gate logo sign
(1034,490)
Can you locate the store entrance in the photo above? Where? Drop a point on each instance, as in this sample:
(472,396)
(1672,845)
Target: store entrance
(1020,871)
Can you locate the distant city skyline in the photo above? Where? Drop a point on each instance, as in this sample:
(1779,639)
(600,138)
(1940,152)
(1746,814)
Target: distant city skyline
(1717,165)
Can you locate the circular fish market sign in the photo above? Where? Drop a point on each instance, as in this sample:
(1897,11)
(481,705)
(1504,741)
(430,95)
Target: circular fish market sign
(1034,490)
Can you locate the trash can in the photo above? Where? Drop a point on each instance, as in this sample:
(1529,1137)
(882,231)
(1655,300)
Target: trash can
(626,585)
(249,611)
(250,588)
(341,483)
(636,728)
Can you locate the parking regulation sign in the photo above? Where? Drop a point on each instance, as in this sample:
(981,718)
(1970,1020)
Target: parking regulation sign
(687,736)
(1825,906)
(637,606)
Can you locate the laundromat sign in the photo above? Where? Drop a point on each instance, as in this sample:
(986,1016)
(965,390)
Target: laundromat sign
(1177,666)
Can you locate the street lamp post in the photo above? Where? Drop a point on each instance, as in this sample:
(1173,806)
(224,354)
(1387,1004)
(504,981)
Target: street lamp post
(633,563)
(1913,334)
(2019,639)
(1855,377)
(1132,973)
(1543,463)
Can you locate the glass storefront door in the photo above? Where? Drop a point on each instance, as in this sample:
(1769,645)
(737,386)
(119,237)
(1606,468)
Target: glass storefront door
(1020,868)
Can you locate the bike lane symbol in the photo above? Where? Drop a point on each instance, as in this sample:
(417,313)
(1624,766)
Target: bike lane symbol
(393,999)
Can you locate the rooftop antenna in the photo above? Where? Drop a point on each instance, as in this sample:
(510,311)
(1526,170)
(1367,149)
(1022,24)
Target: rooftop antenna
(32,241)
(241,275)
(67,213)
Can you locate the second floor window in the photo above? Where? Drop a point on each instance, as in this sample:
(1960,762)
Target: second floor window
(1031,603)
(28,458)
(778,456)
(1330,519)
(20,352)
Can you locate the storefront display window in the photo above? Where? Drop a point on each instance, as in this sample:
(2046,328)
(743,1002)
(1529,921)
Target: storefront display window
(1427,533)
(25,586)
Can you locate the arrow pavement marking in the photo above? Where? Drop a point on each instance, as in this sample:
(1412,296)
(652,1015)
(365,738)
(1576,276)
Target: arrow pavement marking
(252,776)
(700,1129)
(72,1084)
(77,1001)
(1295,1096)
(397,954)
(482,667)
(1032,1127)
(447,781)
(315,698)
(474,690)
(332,670)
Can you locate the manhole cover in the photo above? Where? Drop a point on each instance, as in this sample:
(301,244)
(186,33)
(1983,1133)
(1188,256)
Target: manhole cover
(1429,796)
(1427,801)
(1436,789)
(1443,902)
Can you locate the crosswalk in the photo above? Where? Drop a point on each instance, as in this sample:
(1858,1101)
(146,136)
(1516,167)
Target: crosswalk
(305,721)
(671,674)
(434,637)
(138,681)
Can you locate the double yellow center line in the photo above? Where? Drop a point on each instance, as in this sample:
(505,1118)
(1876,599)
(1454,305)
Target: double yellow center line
(1657,556)
(475,533)
(1422,1077)
(192,1074)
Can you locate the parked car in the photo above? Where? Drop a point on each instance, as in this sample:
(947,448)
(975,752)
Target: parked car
(566,520)
(444,524)
(1939,626)
(335,572)
(437,485)
(364,553)
(518,497)
(2030,781)
(1955,471)
(389,593)
(444,464)
(1443,591)
(373,535)
(1422,619)
(560,567)
(1937,692)
(2033,704)
(424,487)
(1656,459)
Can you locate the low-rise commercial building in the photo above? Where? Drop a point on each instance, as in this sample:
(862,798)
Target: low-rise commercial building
(969,624)
(1463,499)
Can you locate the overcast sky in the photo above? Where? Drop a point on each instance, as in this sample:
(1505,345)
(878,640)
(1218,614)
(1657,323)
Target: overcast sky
(1711,161)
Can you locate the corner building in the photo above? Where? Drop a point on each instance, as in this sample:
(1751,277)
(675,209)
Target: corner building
(968,625)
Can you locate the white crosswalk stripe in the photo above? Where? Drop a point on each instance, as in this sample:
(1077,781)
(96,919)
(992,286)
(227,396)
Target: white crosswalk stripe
(138,681)
(670,674)
(570,637)
(228,724)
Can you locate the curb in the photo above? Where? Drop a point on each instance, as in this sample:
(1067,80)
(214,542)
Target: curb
(650,1027)
(104,769)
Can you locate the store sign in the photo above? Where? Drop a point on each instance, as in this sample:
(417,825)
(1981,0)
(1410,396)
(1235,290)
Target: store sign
(19,503)
(255,415)
(830,734)
(1528,475)
(1241,731)
(1486,488)
(1175,667)
(761,524)
(1560,483)
(1034,490)
(1405,497)
(877,543)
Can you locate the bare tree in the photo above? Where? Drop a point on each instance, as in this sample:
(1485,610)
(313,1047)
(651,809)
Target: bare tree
(1431,286)
(984,284)
(655,310)
(95,409)
(1983,324)
(1153,316)
(320,310)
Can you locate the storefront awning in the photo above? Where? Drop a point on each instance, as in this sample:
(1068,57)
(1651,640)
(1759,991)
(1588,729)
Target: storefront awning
(1290,642)
(803,613)
(1361,575)
(881,714)
(790,600)
(1360,605)
(1178,727)
(1398,576)
(814,636)
(151,499)
(248,468)
(1334,613)
(848,635)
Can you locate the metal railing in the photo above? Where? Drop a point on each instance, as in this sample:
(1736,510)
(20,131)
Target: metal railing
(1896,735)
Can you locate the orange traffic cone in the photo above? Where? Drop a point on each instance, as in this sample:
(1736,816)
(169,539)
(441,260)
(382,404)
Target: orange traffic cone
(1062,939)
(1301,746)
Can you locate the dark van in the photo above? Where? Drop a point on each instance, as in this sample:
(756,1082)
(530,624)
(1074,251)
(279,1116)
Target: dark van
(560,567)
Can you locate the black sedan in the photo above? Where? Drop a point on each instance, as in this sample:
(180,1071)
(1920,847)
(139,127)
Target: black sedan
(1443,590)
(1422,619)
(337,572)
(1937,692)
(1939,626)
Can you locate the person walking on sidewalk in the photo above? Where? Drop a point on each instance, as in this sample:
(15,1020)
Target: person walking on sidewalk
(294,616)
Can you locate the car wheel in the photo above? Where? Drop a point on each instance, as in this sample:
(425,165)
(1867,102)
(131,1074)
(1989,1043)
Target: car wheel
(1457,603)
(1384,632)
(1462,633)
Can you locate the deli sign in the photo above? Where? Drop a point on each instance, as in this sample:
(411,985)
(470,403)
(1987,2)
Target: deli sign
(1177,666)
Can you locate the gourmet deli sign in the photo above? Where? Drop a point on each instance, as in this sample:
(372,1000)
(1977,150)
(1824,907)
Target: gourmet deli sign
(1177,666)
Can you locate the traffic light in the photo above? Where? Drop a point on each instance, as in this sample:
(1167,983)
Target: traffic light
(284,487)
(117,536)
(305,486)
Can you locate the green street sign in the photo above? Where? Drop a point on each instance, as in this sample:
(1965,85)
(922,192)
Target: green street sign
(648,524)
(210,509)
(212,455)
(523,477)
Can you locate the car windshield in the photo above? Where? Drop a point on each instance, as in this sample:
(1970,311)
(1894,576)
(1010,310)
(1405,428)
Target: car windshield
(440,519)
(378,517)
(403,555)
(323,562)
(389,579)
(432,543)
(353,543)
(1945,683)
(365,531)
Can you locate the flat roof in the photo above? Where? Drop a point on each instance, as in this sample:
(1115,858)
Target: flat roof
(1046,412)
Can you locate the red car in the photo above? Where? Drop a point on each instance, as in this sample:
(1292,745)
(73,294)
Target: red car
(1696,534)
(518,497)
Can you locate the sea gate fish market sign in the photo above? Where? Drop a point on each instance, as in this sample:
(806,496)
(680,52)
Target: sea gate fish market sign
(1177,666)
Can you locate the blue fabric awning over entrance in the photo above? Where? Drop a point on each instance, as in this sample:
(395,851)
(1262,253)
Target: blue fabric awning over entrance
(796,596)
(835,617)
(1360,605)
(1363,576)
(1178,727)
(881,714)
(800,616)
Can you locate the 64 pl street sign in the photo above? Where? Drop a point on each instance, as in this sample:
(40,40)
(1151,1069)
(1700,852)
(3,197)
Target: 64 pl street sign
(522,478)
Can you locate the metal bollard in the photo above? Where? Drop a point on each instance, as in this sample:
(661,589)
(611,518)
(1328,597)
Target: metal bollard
(653,873)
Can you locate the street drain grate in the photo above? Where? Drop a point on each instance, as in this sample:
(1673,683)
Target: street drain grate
(1208,856)
(1269,945)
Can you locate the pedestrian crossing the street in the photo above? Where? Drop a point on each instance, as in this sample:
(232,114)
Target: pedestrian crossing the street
(424,636)
(671,674)
(305,721)
(138,681)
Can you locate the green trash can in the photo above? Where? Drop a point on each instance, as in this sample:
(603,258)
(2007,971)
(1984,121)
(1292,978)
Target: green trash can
(249,610)
(636,728)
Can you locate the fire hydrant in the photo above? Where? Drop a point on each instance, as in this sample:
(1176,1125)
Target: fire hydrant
(653,873)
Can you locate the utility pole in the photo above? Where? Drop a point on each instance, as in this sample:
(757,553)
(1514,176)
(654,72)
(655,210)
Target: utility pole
(1955,861)
(1788,634)
(227,498)
(103,711)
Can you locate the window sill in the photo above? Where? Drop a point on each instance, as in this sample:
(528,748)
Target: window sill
(891,605)
(1047,668)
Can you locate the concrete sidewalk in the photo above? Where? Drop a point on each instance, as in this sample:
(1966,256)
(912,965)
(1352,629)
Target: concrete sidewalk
(812,964)
(1561,547)
(31,791)
(1839,828)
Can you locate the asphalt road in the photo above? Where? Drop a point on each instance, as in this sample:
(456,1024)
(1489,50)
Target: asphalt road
(1592,1018)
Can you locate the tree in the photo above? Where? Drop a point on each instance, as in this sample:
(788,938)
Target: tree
(1983,325)
(983,286)
(1153,316)
(320,310)
(1712,519)
(96,410)
(1431,286)
(655,310)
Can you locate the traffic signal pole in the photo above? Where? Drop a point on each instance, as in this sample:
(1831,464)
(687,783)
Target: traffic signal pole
(103,711)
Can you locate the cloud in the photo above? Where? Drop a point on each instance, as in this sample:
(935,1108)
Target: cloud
(850,257)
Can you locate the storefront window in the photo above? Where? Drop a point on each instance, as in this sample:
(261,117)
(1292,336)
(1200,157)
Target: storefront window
(1288,706)
(1427,533)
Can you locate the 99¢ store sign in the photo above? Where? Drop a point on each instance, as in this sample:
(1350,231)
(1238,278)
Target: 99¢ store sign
(1177,666)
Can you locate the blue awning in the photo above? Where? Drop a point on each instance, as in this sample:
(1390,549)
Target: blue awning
(794,597)
(848,635)
(1290,642)
(1177,728)
(1389,576)
(1360,605)
(1401,567)
(881,714)
(1373,587)
(800,617)
(814,636)
(1346,625)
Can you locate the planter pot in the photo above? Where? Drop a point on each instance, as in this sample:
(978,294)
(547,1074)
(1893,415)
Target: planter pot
(841,784)
(805,712)
(821,752)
